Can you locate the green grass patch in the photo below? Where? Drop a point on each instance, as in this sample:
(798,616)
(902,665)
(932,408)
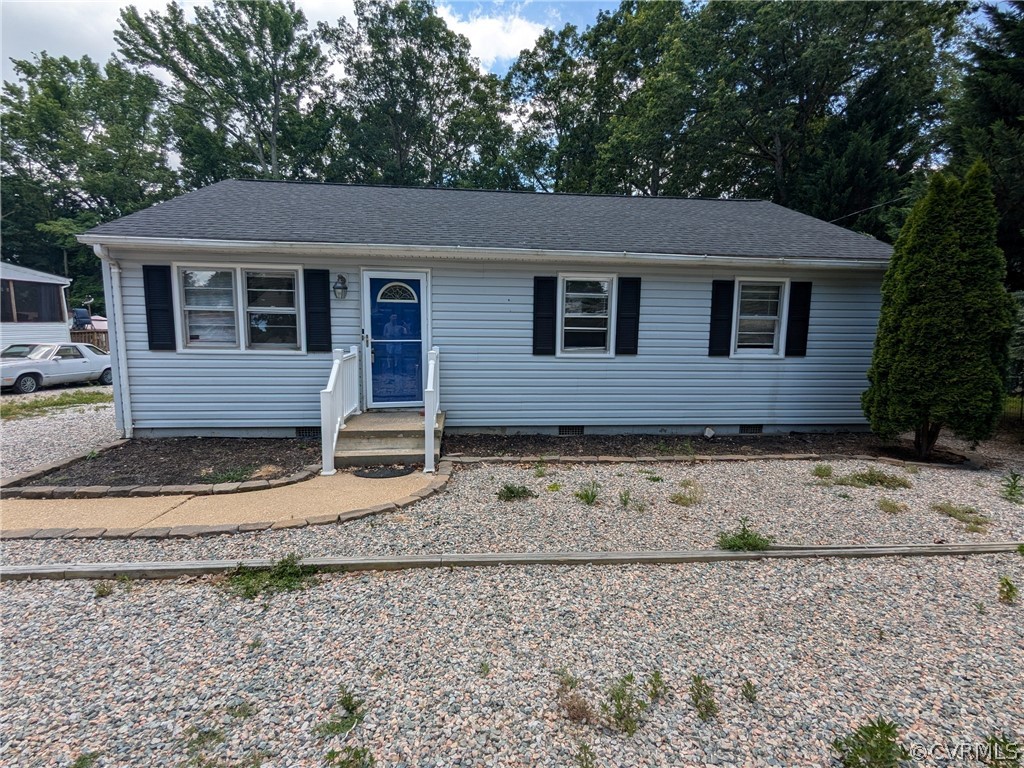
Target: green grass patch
(873,478)
(822,471)
(11,408)
(891,506)
(236,475)
(1013,487)
(875,744)
(554,487)
(973,520)
(86,760)
(744,539)
(286,575)
(350,757)
(513,492)
(1007,590)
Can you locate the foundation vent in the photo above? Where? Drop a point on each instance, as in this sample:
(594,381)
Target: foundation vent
(308,433)
(751,429)
(570,431)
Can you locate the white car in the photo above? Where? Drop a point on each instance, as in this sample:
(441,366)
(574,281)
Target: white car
(26,367)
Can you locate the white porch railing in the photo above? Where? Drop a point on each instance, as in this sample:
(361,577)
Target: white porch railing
(337,402)
(431,406)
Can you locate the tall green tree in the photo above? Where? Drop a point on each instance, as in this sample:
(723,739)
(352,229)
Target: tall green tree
(422,113)
(250,91)
(81,144)
(940,357)
(988,121)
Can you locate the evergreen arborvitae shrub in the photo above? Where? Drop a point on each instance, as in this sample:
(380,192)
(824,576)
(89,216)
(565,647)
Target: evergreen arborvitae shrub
(941,354)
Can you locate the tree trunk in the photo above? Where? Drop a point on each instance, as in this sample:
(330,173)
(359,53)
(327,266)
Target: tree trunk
(925,437)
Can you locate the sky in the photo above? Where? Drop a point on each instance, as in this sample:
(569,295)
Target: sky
(497,29)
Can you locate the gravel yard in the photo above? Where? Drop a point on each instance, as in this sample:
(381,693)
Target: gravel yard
(780,498)
(460,667)
(27,443)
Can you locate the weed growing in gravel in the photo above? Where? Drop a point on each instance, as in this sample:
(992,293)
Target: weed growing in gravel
(640,505)
(102,589)
(973,520)
(92,455)
(1007,590)
(124,581)
(691,494)
(540,469)
(703,698)
(585,757)
(1002,751)
(656,687)
(1013,487)
(749,691)
(85,760)
(512,492)
(588,493)
(286,575)
(201,739)
(873,745)
(236,475)
(624,498)
(240,709)
(255,643)
(485,669)
(744,539)
(350,712)
(1020,550)
(843,495)
(982,610)
(891,506)
(623,707)
(554,487)
(651,476)
(822,471)
(873,477)
(910,469)
(350,757)
(576,706)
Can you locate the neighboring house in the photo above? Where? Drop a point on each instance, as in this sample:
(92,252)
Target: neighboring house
(33,306)
(551,312)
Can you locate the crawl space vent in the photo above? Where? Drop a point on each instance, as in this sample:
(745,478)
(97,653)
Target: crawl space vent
(565,431)
(751,429)
(308,433)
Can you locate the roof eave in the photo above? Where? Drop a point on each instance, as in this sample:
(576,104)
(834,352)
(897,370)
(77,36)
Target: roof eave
(456,252)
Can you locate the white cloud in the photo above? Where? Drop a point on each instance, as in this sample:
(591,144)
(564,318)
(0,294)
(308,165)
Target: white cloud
(493,37)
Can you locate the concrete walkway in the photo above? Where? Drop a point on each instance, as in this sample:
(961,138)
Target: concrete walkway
(319,497)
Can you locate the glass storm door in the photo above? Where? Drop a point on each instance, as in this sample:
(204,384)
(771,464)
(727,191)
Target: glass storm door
(394,322)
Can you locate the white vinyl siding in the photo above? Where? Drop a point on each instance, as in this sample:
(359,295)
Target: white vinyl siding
(482,319)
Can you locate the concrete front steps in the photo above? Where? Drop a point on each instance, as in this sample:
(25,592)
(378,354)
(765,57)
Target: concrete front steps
(384,437)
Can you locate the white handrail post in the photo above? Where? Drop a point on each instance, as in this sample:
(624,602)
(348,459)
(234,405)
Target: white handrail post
(328,431)
(430,407)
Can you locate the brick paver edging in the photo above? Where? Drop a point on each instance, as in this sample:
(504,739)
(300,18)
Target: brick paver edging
(15,488)
(440,480)
(170,570)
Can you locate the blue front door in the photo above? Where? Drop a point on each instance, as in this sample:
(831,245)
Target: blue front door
(395,331)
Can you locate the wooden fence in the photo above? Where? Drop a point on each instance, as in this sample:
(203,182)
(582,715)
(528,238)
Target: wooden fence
(97,338)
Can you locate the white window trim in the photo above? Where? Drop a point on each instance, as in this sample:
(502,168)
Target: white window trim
(613,298)
(780,341)
(240,308)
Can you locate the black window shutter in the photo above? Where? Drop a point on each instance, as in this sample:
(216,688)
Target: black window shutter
(156,286)
(317,284)
(627,316)
(720,336)
(799,319)
(545,299)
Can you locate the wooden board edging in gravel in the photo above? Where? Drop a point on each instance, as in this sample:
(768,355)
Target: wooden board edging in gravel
(171,570)
(706,458)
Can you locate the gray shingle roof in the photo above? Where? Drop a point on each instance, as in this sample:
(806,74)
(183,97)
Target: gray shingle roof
(337,213)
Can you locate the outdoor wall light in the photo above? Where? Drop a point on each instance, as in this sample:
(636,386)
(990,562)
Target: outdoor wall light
(341,287)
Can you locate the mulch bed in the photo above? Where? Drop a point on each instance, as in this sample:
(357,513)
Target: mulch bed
(188,460)
(672,445)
